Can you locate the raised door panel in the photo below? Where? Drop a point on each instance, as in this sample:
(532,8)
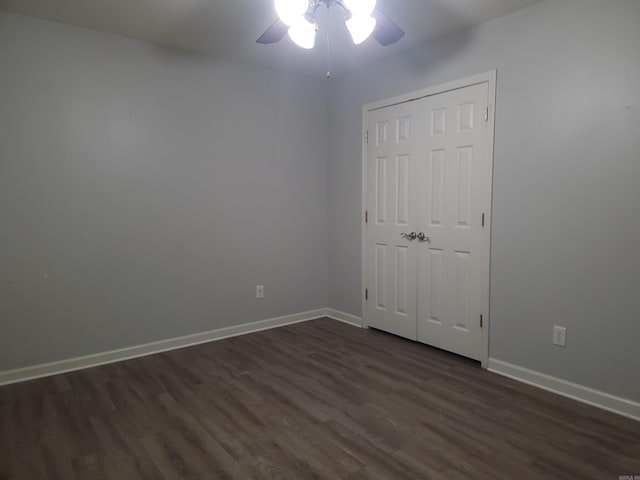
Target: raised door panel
(455,170)
(390,259)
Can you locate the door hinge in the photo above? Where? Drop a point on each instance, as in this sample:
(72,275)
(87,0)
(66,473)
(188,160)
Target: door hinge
(366,294)
(483,219)
(366,216)
(481,321)
(366,136)
(486,114)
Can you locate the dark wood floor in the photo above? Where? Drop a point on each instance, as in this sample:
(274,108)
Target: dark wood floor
(314,400)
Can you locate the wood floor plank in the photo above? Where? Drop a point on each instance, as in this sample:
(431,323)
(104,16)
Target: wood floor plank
(315,400)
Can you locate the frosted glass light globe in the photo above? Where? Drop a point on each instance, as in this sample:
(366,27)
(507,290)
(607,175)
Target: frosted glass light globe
(303,33)
(360,28)
(360,8)
(291,11)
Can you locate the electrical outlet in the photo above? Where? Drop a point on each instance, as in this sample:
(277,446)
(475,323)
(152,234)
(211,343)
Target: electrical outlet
(259,291)
(560,336)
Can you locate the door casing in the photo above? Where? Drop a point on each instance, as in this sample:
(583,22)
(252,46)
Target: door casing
(489,77)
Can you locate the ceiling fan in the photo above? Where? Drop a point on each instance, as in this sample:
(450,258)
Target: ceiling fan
(298,18)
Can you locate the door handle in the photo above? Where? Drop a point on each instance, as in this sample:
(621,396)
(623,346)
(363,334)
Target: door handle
(409,236)
(423,238)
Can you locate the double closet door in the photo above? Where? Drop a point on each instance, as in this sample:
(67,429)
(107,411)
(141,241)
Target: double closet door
(426,237)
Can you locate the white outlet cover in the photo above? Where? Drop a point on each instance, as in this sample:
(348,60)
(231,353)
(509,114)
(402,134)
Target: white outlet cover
(560,336)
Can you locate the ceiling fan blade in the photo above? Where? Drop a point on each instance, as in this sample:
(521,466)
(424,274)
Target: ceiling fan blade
(386,31)
(274,33)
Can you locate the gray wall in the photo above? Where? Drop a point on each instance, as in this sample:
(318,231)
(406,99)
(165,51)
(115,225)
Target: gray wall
(145,193)
(566,205)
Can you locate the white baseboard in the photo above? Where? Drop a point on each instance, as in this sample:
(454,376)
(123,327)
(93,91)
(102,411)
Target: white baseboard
(79,363)
(583,394)
(344,317)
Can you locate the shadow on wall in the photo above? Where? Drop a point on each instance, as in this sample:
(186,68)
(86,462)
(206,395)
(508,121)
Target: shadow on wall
(216,29)
(428,57)
(449,23)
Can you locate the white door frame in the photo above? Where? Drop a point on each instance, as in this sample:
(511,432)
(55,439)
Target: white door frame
(487,77)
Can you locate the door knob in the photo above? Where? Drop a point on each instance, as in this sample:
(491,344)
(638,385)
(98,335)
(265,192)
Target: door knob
(409,236)
(423,238)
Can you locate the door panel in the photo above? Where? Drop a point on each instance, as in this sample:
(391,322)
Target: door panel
(450,267)
(391,272)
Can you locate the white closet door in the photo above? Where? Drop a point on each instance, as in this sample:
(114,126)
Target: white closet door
(392,191)
(455,191)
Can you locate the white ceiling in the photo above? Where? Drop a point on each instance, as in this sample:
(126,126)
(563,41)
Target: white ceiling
(228,28)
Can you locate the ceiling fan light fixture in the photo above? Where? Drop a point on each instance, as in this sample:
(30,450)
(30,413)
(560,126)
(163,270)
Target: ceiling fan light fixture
(291,11)
(298,18)
(360,8)
(360,28)
(303,33)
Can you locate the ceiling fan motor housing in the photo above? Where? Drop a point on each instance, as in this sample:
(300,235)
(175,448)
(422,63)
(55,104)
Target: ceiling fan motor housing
(314,5)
